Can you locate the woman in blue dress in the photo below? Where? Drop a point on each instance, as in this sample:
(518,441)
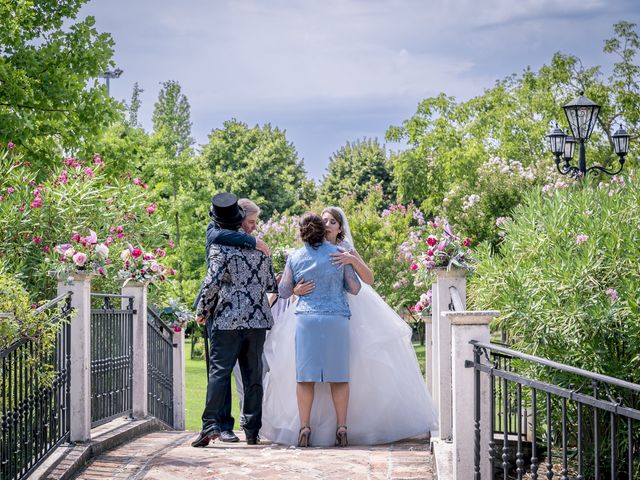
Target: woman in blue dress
(322,324)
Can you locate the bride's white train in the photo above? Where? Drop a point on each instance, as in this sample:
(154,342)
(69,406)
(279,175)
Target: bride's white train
(389,400)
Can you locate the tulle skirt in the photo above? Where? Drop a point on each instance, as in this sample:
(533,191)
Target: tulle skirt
(388,401)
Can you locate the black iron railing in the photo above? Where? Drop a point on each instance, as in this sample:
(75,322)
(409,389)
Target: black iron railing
(111,358)
(159,368)
(582,424)
(35,408)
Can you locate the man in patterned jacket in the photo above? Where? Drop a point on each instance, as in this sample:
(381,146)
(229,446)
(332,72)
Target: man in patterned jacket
(234,298)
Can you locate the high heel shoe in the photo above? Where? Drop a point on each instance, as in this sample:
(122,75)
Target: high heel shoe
(341,436)
(304,436)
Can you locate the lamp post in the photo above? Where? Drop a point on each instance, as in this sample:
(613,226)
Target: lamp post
(582,115)
(111,74)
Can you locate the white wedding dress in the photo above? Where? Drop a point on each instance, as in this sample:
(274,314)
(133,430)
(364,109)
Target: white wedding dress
(388,398)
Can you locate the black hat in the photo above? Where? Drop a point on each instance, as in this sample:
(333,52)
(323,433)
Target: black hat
(225,209)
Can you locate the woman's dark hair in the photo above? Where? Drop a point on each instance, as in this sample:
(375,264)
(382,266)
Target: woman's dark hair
(311,229)
(338,217)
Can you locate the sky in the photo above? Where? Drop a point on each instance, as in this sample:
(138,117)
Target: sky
(333,71)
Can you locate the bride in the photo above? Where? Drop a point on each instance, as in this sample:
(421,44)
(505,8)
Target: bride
(388,396)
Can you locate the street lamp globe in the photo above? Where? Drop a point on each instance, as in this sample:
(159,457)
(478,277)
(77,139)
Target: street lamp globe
(569,147)
(582,115)
(557,140)
(621,142)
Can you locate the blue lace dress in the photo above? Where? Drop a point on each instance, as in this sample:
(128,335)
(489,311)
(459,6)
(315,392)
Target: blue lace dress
(322,316)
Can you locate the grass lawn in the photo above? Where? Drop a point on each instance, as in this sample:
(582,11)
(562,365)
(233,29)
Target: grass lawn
(196,387)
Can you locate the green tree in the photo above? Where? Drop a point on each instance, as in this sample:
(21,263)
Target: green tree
(173,170)
(258,163)
(355,169)
(50,96)
(450,141)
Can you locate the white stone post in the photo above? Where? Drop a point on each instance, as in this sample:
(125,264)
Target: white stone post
(179,421)
(467,326)
(140,388)
(79,284)
(434,355)
(455,277)
(428,345)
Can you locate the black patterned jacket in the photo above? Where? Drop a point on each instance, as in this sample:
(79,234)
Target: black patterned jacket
(234,295)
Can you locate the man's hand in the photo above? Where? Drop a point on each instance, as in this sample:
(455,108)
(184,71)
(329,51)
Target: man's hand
(303,288)
(200,320)
(263,247)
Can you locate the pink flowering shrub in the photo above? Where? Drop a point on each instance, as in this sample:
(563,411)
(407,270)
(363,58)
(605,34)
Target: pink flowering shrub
(566,278)
(138,265)
(40,213)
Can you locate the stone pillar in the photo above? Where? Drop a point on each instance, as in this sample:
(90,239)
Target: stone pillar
(455,277)
(467,326)
(428,345)
(434,355)
(79,284)
(179,421)
(138,291)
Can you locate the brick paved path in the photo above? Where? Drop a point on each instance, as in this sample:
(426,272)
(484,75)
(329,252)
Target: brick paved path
(169,456)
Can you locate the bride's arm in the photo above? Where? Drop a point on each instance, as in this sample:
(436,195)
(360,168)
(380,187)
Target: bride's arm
(353,258)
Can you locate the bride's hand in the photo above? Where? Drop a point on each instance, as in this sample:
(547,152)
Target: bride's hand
(303,288)
(343,258)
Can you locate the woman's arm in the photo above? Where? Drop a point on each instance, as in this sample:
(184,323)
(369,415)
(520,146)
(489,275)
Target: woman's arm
(234,238)
(285,289)
(353,258)
(351,281)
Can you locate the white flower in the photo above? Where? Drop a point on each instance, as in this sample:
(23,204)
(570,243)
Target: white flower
(155,268)
(124,255)
(102,250)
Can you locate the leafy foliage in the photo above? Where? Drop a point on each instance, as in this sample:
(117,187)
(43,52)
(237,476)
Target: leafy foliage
(258,163)
(50,95)
(355,169)
(566,278)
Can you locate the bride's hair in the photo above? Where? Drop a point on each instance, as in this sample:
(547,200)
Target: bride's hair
(312,229)
(338,217)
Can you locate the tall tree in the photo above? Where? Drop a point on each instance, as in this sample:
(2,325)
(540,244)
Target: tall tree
(355,169)
(50,96)
(134,106)
(173,169)
(258,163)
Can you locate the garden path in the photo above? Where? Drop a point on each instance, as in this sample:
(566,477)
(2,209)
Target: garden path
(167,455)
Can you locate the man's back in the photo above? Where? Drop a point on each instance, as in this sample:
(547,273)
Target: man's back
(242,302)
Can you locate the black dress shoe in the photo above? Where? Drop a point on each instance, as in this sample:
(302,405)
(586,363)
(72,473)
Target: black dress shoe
(229,436)
(253,440)
(204,438)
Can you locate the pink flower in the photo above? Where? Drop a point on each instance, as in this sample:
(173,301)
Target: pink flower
(430,253)
(417,307)
(109,240)
(612,293)
(101,271)
(88,172)
(37,240)
(171,244)
(68,161)
(151,208)
(11,145)
(413,267)
(97,159)
(11,190)
(432,240)
(1,198)
(63,178)
(137,181)
(442,245)
(92,238)
(581,238)
(136,252)
(467,242)
(79,259)
(148,256)
(155,268)
(160,252)
(46,249)
(177,329)
(172,271)
(75,237)
(37,202)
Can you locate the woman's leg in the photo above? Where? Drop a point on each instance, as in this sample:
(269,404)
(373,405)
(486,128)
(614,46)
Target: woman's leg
(340,395)
(304,392)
